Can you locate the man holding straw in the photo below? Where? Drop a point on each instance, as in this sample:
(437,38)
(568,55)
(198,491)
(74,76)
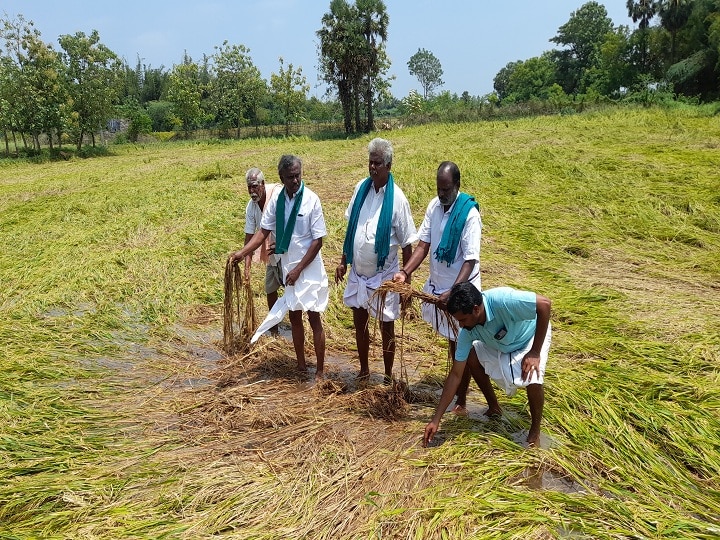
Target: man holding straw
(296,217)
(451,229)
(505,337)
(260,193)
(379,222)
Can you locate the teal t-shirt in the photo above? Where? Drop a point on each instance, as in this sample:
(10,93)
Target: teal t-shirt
(511,321)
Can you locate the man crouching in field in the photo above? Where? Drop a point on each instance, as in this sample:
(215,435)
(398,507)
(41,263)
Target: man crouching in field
(504,336)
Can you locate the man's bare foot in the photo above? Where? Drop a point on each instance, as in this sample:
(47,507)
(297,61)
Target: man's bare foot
(460,410)
(302,367)
(319,376)
(494,412)
(387,379)
(363,376)
(533,440)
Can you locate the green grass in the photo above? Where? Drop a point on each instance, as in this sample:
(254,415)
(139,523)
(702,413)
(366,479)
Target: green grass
(614,215)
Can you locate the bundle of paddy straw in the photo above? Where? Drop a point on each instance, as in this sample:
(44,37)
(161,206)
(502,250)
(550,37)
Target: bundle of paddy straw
(238,310)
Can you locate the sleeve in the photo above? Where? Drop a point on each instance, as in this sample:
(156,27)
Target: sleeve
(348,210)
(317,221)
(424,232)
(470,240)
(405,230)
(251,226)
(268,219)
(462,348)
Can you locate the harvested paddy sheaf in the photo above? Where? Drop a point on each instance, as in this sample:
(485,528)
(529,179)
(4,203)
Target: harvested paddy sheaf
(122,416)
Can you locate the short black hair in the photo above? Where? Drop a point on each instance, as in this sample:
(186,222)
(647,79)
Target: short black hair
(287,161)
(464,296)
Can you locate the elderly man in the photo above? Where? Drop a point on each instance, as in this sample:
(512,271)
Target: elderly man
(379,223)
(451,230)
(260,193)
(505,337)
(296,216)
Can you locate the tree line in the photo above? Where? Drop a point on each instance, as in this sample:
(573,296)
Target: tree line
(70,94)
(675,48)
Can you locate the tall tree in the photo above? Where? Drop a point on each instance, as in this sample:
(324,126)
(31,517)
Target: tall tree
(184,92)
(674,14)
(340,51)
(93,73)
(582,37)
(426,67)
(374,23)
(353,58)
(237,88)
(289,89)
(642,12)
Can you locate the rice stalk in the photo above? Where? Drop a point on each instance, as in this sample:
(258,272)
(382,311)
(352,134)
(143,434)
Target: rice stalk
(238,309)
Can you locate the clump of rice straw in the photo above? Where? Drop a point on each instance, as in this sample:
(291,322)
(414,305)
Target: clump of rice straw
(238,310)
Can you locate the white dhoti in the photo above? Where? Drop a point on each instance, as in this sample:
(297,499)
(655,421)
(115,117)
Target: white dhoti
(437,318)
(505,369)
(360,289)
(310,293)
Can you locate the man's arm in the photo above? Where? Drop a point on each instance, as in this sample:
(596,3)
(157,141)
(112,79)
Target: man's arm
(531,362)
(252,244)
(410,264)
(448,393)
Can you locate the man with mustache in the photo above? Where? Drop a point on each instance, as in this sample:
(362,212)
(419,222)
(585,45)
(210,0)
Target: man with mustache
(260,193)
(379,224)
(451,231)
(296,216)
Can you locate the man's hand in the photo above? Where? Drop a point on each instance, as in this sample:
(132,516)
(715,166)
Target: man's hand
(271,248)
(442,300)
(399,277)
(430,431)
(236,256)
(292,277)
(530,364)
(340,272)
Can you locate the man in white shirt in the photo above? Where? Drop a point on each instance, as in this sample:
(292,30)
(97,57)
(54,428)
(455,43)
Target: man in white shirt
(260,193)
(296,216)
(451,232)
(379,224)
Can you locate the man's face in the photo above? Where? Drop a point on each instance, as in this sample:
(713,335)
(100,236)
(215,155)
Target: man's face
(446,189)
(472,319)
(379,172)
(256,189)
(291,178)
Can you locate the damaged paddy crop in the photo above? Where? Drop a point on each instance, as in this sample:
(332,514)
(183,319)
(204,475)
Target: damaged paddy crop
(122,417)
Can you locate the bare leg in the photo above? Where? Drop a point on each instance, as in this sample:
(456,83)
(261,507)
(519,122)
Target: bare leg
(298,337)
(461,401)
(271,299)
(388,340)
(362,339)
(484,383)
(318,342)
(536,400)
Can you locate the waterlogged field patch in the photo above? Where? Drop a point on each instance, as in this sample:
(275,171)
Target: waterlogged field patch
(121,416)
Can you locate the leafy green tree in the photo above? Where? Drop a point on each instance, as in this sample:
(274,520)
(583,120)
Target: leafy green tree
(373,22)
(502,79)
(531,79)
(674,14)
(582,36)
(34,87)
(353,59)
(184,92)
(289,89)
(614,69)
(93,75)
(426,67)
(237,88)
(642,12)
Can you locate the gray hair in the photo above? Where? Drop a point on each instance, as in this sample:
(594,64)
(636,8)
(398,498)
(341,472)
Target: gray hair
(254,175)
(287,161)
(382,146)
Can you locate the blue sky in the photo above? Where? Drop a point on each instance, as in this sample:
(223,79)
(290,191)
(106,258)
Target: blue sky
(472,39)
